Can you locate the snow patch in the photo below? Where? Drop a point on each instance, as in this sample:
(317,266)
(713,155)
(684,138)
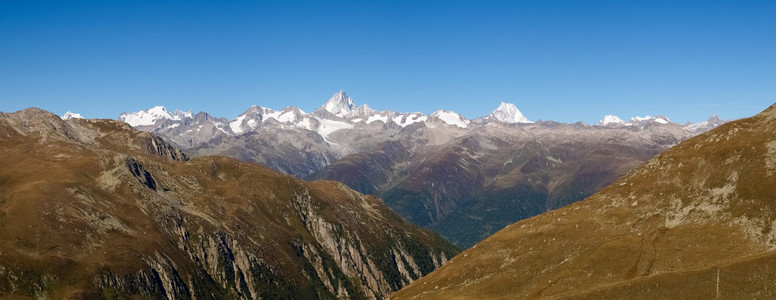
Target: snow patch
(639,119)
(180,115)
(146,117)
(329,126)
(252,123)
(306,124)
(406,120)
(380,118)
(235,125)
(451,118)
(614,120)
(287,117)
(71,115)
(271,114)
(696,126)
(610,119)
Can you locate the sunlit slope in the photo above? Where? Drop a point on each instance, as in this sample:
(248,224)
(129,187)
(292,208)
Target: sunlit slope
(93,208)
(697,221)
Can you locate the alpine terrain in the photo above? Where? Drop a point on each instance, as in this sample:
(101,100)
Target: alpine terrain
(95,209)
(697,221)
(463,178)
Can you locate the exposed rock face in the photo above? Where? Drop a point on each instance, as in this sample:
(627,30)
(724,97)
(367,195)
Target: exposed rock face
(156,145)
(141,174)
(92,208)
(696,221)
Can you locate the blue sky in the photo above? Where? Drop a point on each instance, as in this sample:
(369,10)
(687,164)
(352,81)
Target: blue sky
(556,60)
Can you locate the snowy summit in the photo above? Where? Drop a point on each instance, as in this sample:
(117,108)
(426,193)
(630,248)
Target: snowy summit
(340,104)
(145,117)
(508,113)
(71,115)
(451,118)
(610,119)
(659,119)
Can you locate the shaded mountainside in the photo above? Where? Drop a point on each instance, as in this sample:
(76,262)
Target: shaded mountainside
(473,185)
(697,221)
(93,208)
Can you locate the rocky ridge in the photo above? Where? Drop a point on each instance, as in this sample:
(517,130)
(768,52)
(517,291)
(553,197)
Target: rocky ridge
(338,114)
(93,208)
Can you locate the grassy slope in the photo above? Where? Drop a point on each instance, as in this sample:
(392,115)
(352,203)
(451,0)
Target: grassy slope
(663,230)
(68,210)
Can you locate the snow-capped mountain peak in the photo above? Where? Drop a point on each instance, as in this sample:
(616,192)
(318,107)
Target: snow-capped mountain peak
(71,115)
(451,118)
(610,119)
(508,113)
(251,118)
(146,117)
(365,110)
(712,122)
(339,104)
(658,119)
(181,115)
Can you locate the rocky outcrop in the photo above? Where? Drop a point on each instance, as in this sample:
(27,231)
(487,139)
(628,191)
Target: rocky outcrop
(157,146)
(140,173)
(335,257)
(347,250)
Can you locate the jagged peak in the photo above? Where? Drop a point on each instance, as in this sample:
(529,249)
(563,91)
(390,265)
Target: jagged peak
(255,109)
(508,113)
(363,111)
(180,115)
(293,109)
(339,104)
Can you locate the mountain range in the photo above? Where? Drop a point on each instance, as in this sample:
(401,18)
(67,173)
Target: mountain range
(338,113)
(463,178)
(697,221)
(96,209)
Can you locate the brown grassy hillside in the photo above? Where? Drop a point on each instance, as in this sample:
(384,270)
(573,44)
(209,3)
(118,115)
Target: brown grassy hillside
(93,208)
(698,221)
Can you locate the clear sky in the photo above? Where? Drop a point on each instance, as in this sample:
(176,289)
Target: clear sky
(566,61)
